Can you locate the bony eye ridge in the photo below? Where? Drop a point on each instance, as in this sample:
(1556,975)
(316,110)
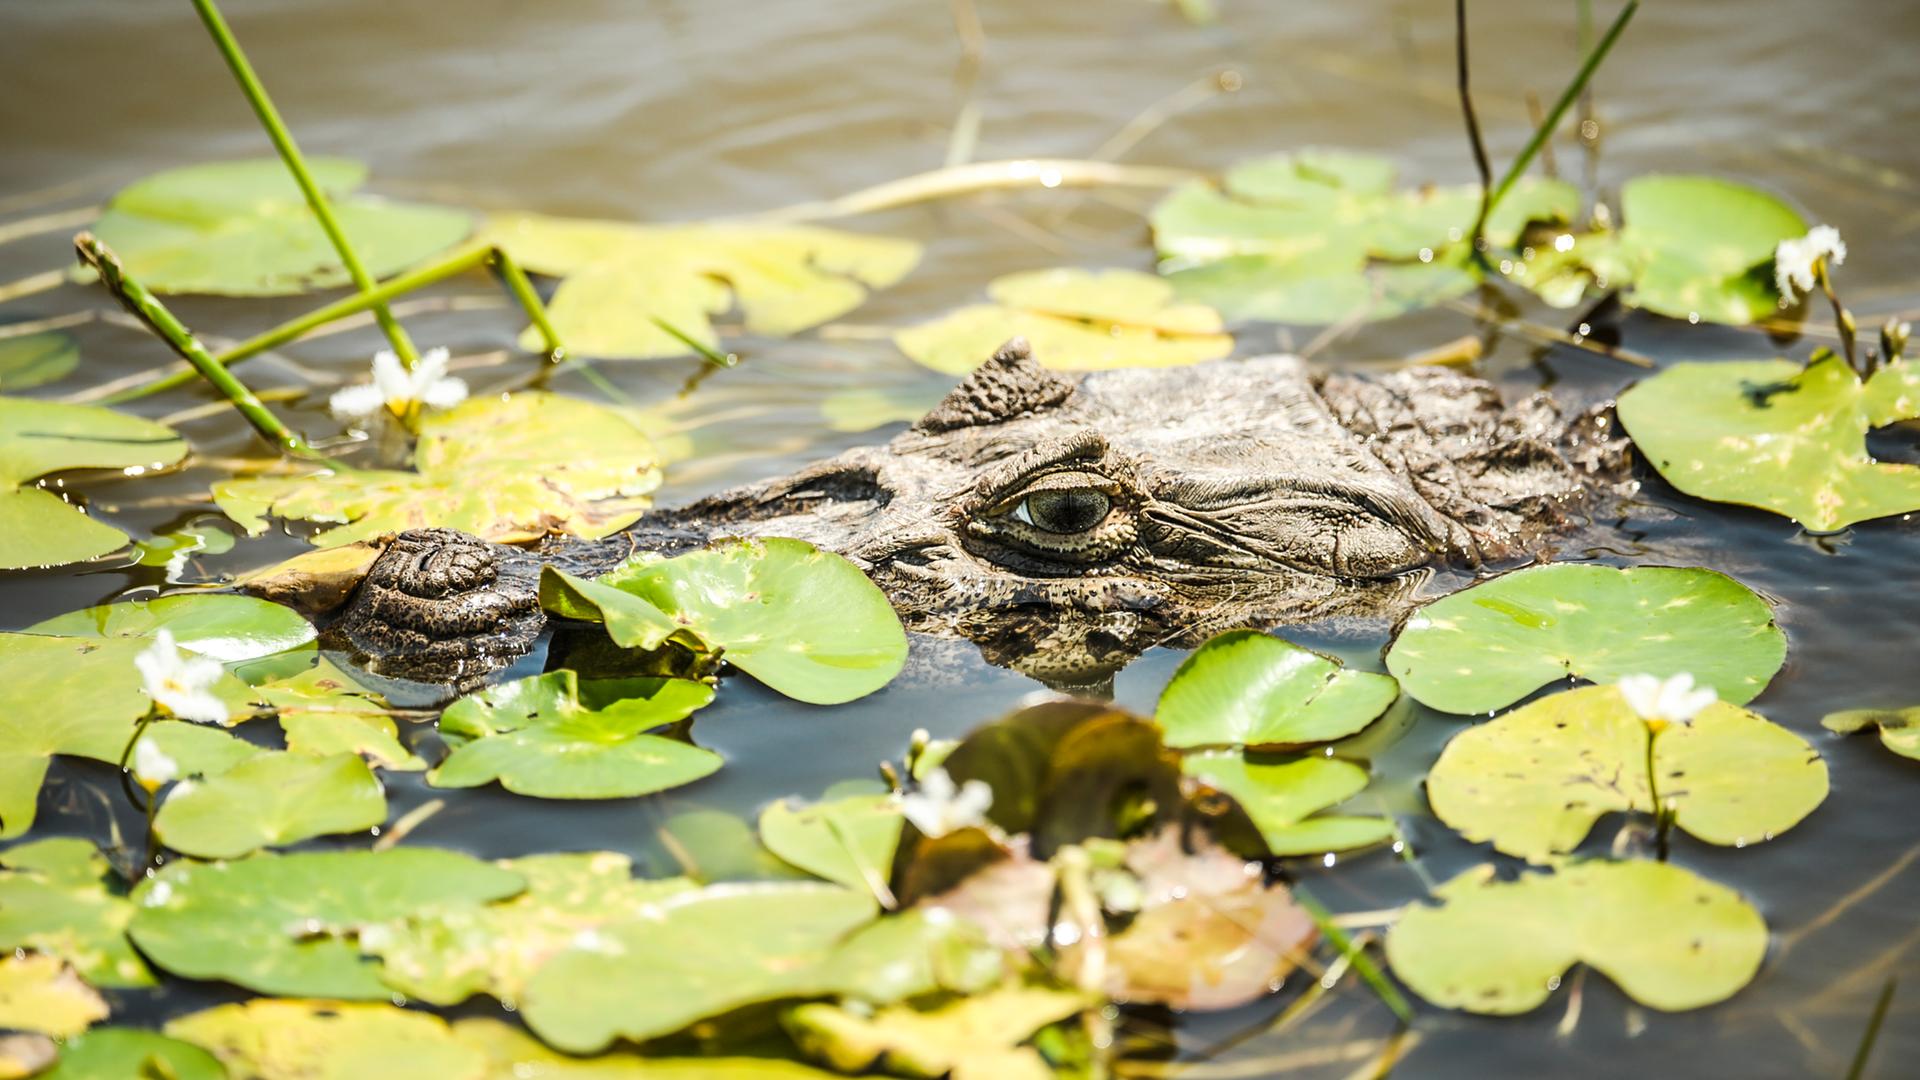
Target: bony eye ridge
(1064,509)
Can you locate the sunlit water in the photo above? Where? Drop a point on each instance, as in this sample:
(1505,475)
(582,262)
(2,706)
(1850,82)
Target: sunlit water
(668,111)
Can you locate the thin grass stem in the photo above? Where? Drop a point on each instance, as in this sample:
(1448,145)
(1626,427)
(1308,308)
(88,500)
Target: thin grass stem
(1363,964)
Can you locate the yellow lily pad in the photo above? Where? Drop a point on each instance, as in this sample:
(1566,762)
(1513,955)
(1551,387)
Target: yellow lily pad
(42,994)
(329,1040)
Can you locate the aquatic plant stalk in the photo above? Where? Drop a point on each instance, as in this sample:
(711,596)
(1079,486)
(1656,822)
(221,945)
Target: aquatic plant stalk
(1842,318)
(712,355)
(1872,1034)
(263,107)
(1363,964)
(1462,68)
(982,176)
(149,310)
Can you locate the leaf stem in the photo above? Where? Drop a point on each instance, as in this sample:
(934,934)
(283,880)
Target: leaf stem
(1842,318)
(1872,1034)
(1363,964)
(1477,238)
(126,753)
(263,107)
(148,309)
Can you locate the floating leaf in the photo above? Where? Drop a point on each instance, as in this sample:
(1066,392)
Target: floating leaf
(323,711)
(624,279)
(226,627)
(1247,688)
(509,469)
(36,359)
(537,737)
(39,528)
(972,1038)
(1696,246)
(1774,435)
(1536,779)
(1670,939)
(199,750)
(1077,320)
(512,1054)
(242,228)
(52,901)
(41,994)
(1284,797)
(329,1040)
(269,800)
(494,949)
(124,1053)
(806,622)
(850,841)
(1486,647)
(1899,728)
(275,923)
(173,549)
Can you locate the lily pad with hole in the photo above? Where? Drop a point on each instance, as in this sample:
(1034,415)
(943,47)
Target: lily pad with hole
(512,1054)
(37,438)
(271,1040)
(43,995)
(1246,688)
(505,468)
(1535,780)
(1774,435)
(226,627)
(36,359)
(53,901)
(803,621)
(1077,320)
(1488,646)
(849,840)
(1285,797)
(1669,938)
(622,279)
(115,1053)
(554,737)
(243,228)
(280,924)
(1695,247)
(1899,728)
(973,1037)
(269,800)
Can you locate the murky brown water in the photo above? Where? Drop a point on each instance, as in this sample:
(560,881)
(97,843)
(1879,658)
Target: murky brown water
(683,110)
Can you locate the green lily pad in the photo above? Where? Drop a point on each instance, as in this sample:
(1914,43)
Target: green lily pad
(1774,435)
(329,1040)
(1670,939)
(270,800)
(1284,798)
(512,1054)
(322,711)
(623,279)
(537,737)
(42,994)
(1077,320)
(509,469)
(494,949)
(1486,647)
(977,1036)
(1899,728)
(850,841)
(53,901)
(36,360)
(199,750)
(863,408)
(1536,779)
(806,622)
(173,549)
(226,627)
(120,1053)
(278,923)
(1697,247)
(1246,688)
(699,954)
(39,528)
(242,228)
(100,694)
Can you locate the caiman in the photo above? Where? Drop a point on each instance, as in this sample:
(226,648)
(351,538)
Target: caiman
(1065,524)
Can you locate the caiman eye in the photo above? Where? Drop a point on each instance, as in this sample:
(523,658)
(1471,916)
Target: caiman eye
(1064,510)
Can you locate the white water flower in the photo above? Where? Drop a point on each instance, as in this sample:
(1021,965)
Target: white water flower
(181,683)
(1660,702)
(1793,259)
(151,765)
(939,808)
(396,389)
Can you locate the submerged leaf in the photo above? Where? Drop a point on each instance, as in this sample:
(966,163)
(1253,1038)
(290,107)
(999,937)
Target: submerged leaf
(1284,797)
(329,1040)
(39,528)
(268,800)
(1246,688)
(226,627)
(538,737)
(1077,320)
(1670,939)
(1536,779)
(1899,728)
(1770,434)
(1488,646)
(508,469)
(243,228)
(36,359)
(622,280)
(52,901)
(43,995)
(972,1038)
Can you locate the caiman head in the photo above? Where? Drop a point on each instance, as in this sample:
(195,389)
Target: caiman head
(1067,524)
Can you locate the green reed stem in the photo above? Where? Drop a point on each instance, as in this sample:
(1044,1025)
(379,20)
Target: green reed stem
(713,355)
(263,107)
(1842,318)
(126,778)
(1571,94)
(149,310)
(1363,964)
(1872,1034)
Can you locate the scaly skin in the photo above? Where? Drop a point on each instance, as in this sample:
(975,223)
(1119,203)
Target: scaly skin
(1064,525)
